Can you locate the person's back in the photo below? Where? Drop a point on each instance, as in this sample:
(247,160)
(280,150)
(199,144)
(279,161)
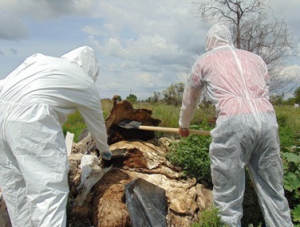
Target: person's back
(237,80)
(40,74)
(52,81)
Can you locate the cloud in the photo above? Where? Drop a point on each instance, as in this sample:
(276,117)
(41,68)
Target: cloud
(177,24)
(289,80)
(15,31)
(48,9)
(291,72)
(150,33)
(151,44)
(144,79)
(142,46)
(289,12)
(13,51)
(93,30)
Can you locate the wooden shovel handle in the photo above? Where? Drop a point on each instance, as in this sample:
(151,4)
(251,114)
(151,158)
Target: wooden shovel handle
(176,130)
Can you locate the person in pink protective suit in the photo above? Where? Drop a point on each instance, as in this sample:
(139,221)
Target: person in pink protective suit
(246,132)
(35,100)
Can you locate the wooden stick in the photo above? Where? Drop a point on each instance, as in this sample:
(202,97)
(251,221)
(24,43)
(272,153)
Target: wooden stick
(176,130)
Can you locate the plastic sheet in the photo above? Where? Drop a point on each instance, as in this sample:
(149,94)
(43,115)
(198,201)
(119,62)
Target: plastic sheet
(146,203)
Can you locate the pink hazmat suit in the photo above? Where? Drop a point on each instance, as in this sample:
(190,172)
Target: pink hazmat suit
(35,100)
(246,132)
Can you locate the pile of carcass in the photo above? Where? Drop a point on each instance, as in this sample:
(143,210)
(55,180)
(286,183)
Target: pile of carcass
(138,187)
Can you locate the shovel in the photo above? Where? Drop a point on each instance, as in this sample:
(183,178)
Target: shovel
(137,125)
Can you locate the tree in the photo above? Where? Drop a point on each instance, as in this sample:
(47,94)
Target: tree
(118,98)
(297,95)
(156,97)
(276,99)
(253,31)
(173,94)
(132,98)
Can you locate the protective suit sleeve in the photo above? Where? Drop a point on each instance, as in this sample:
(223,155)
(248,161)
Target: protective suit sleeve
(93,117)
(191,96)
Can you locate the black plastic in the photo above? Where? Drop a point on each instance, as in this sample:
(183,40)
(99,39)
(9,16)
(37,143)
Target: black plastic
(146,204)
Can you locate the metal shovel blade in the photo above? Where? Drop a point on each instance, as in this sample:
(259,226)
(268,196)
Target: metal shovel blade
(128,124)
(137,125)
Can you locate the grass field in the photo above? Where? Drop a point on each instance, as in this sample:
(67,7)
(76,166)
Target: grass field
(288,117)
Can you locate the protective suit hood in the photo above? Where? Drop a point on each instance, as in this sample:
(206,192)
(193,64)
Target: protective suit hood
(218,35)
(84,57)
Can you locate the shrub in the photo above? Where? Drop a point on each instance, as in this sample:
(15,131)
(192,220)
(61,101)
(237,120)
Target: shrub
(191,153)
(210,218)
(291,167)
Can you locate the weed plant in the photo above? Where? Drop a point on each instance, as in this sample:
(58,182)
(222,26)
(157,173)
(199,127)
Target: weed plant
(209,218)
(75,125)
(191,154)
(291,167)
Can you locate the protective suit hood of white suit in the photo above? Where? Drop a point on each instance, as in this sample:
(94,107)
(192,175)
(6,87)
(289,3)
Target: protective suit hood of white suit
(84,57)
(218,35)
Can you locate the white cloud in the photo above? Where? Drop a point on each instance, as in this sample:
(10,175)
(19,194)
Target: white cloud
(113,86)
(15,31)
(144,79)
(142,46)
(47,9)
(93,30)
(292,71)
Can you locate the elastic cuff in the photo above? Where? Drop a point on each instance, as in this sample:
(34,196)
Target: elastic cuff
(106,155)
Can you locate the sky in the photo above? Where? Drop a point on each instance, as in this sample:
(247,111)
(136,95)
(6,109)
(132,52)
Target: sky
(142,46)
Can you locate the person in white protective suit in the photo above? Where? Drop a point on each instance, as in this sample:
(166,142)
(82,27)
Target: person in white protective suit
(35,100)
(246,132)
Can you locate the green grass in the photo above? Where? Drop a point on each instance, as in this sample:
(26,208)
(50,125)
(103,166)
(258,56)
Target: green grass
(292,116)
(288,118)
(169,115)
(75,124)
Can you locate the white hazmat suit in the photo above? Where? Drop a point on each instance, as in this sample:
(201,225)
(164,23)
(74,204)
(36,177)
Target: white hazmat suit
(35,100)
(246,132)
